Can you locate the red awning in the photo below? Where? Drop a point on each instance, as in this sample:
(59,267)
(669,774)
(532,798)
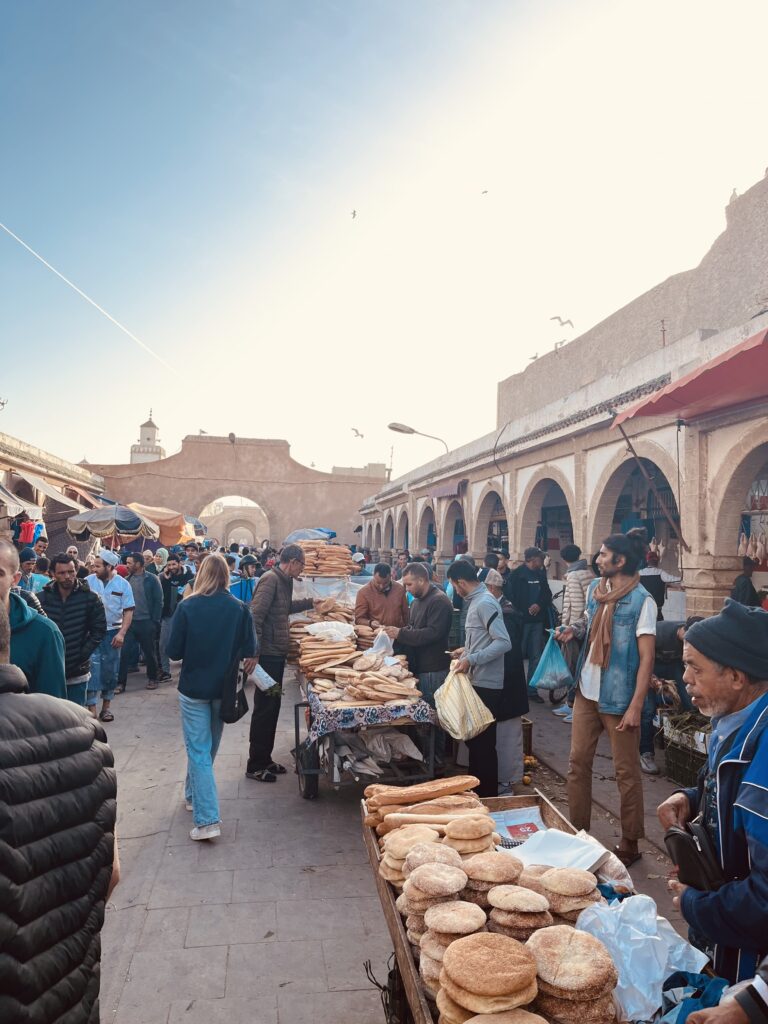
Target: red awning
(735,377)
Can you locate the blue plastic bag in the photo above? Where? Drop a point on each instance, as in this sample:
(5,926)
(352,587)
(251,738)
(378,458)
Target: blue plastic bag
(552,672)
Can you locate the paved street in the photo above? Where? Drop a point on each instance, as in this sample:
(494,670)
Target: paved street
(270,924)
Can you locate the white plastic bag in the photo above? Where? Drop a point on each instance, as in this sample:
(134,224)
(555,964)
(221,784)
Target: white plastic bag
(331,630)
(261,679)
(382,645)
(645,949)
(460,711)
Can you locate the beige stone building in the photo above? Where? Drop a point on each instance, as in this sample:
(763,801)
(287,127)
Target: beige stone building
(557,469)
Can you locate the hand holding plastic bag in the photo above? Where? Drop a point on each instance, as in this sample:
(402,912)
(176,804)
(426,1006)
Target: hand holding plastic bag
(459,709)
(645,949)
(552,672)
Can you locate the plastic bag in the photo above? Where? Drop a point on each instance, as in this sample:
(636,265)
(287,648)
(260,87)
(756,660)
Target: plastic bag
(552,672)
(645,949)
(382,645)
(459,709)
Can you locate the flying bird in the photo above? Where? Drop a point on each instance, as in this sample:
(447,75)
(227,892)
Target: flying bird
(484,192)
(533,357)
(559,344)
(354,214)
(356,432)
(563,323)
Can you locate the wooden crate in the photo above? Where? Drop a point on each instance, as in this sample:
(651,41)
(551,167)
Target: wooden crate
(409,972)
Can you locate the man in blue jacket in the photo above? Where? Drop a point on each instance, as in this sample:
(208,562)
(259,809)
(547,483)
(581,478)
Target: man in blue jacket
(726,674)
(486,643)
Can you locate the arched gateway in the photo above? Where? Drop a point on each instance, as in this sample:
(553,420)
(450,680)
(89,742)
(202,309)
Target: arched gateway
(291,495)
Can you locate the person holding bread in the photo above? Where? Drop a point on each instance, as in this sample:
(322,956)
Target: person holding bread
(482,658)
(726,675)
(382,602)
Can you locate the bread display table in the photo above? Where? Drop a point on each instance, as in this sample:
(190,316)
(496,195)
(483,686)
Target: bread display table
(324,720)
(414,1008)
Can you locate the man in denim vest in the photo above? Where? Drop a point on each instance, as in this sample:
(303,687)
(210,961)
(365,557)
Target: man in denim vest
(613,676)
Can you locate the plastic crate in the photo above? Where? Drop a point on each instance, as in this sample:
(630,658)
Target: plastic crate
(682,764)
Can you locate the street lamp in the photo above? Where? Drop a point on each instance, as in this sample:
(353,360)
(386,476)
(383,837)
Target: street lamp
(402,428)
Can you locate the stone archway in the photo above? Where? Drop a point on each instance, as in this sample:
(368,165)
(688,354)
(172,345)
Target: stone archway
(402,538)
(623,495)
(545,517)
(377,537)
(369,536)
(453,532)
(491,528)
(389,532)
(426,534)
(731,492)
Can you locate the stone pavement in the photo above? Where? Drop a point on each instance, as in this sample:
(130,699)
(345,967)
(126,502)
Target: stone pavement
(270,924)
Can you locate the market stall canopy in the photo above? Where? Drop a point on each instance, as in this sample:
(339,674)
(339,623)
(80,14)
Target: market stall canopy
(174,528)
(48,490)
(196,527)
(735,377)
(91,500)
(16,505)
(111,521)
(316,534)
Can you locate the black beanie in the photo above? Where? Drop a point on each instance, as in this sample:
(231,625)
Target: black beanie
(736,638)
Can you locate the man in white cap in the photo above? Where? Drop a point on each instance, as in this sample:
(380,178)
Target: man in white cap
(117,595)
(359,559)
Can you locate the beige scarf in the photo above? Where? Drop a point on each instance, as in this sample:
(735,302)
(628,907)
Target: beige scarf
(601,630)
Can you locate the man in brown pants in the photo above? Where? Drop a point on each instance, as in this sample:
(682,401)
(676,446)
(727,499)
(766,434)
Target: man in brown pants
(613,676)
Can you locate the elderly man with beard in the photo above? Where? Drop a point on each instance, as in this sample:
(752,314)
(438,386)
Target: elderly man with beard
(726,675)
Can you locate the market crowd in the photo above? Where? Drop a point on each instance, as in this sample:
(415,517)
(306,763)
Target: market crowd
(72,632)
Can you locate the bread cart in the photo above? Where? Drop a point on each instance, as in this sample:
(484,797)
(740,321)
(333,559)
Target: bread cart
(320,722)
(413,1006)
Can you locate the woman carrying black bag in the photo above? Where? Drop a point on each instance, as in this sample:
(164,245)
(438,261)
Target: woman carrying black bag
(212,632)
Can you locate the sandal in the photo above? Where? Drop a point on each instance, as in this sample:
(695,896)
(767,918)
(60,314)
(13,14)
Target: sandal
(152,684)
(107,716)
(276,769)
(263,776)
(627,859)
(120,688)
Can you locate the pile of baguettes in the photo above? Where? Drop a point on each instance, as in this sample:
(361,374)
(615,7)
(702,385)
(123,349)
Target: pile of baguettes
(324,559)
(342,677)
(490,936)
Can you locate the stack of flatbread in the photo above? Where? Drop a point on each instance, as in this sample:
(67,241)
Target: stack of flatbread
(365,637)
(486,973)
(324,559)
(487,870)
(576,976)
(517,912)
(569,891)
(317,654)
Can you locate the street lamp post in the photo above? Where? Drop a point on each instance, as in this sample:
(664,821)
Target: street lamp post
(402,428)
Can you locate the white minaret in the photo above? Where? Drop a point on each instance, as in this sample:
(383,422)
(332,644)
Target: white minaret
(148,449)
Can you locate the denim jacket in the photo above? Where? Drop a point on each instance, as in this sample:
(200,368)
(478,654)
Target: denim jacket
(618,681)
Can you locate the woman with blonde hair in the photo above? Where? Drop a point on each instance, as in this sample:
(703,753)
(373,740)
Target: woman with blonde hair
(211,633)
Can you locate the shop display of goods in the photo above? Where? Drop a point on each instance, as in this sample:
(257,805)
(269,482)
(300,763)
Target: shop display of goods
(576,976)
(486,870)
(488,973)
(324,559)
(317,654)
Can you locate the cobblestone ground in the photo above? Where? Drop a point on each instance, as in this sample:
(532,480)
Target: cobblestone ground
(270,924)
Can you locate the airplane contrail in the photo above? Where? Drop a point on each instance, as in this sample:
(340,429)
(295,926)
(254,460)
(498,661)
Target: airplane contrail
(87,298)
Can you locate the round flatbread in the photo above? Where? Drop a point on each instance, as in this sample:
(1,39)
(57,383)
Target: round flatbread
(469,845)
(572,962)
(480,899)
(569,881)
(516,1016)
(429,969)
(451,1011)
(430,853)
(457,918)
(564,1011)
(402,904)
(587,995)
(489,965)
(469,827)
(429,945)
(487,1004)
(393,863)
(497,867)
(565,904)
(399,843)
(415,924)
(391,876)
(516,919)
(517,898)
(438,879)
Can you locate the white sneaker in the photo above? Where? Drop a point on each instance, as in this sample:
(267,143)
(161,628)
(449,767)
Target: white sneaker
(648,764)
(188,805)
(205,831)
(562,710)
(568,719)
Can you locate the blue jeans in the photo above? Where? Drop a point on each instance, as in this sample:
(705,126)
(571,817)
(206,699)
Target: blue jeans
(105,662)
(202,728)
(76,693)
(428,683)
(532,645)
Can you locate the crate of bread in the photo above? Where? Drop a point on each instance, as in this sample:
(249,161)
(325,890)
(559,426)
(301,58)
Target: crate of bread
(476,932)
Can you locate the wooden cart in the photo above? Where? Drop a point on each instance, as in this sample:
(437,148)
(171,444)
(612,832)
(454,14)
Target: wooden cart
(414,1007)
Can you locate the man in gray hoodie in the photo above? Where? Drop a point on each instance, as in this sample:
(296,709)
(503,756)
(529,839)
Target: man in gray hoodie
(482,658)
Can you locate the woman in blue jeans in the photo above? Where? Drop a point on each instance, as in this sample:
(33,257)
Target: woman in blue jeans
(212,632)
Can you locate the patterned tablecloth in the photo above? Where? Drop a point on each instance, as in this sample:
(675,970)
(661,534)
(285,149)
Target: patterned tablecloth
(326,720)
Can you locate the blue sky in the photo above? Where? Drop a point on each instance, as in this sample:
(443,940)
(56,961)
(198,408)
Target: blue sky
(193,167)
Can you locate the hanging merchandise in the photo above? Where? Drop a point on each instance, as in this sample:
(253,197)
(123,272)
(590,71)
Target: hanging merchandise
(27,533)
(39,532)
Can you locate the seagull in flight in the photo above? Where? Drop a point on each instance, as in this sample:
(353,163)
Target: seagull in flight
(356,432)
(354,214)
(559,344)
(484,192)
(533,357)
(563,323)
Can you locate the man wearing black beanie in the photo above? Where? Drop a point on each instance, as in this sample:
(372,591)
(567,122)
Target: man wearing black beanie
(726,675)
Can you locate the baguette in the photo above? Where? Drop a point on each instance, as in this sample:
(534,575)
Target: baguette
(423,791)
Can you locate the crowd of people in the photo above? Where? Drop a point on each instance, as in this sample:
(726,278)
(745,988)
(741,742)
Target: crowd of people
(72,632)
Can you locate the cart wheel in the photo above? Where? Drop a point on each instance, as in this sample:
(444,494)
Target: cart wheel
(308,757)
(555,696)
